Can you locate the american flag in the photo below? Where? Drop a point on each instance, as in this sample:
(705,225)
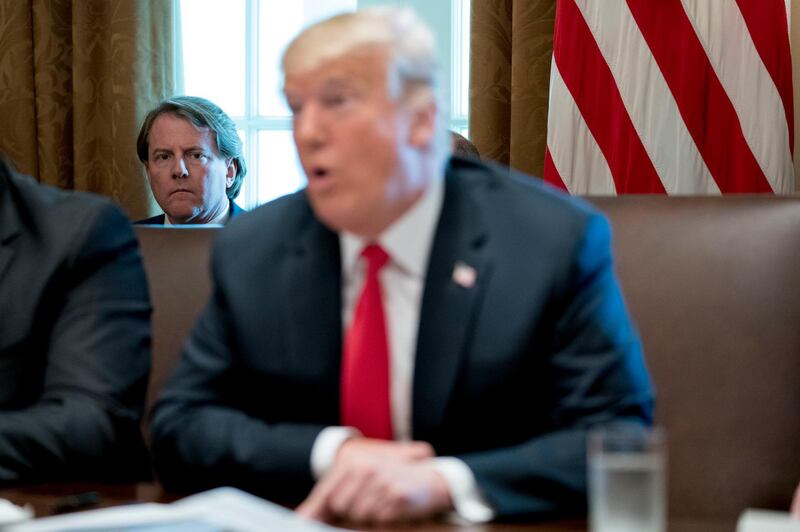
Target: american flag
(671,97)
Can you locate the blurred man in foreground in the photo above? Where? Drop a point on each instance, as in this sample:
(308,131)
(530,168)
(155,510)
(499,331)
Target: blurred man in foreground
(193,158)
(74,337)
(410,334)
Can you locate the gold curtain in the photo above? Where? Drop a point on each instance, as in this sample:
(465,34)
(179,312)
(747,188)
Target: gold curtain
(76,79)
(511,48)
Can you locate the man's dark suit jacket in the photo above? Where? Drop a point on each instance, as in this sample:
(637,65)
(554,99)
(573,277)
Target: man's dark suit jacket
(234,211)
(508,374)
(74,337)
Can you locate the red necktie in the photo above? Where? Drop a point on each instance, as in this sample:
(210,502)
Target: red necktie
(365,365)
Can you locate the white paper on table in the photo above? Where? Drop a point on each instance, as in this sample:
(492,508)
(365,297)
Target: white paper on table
(11,513)
(218,510)
(767,521)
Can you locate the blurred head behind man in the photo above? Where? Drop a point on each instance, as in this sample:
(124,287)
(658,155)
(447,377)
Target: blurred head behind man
(464,147)
(367,110)
(193,157)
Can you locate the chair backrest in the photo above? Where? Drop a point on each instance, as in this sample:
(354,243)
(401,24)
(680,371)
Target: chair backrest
(713,284)
(176,260)
(714,287)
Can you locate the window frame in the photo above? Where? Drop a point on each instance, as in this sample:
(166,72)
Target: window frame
(252,123)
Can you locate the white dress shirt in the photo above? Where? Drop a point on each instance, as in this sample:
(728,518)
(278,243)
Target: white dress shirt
(408,243)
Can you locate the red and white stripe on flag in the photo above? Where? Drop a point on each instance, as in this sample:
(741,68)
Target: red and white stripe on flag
(671,97)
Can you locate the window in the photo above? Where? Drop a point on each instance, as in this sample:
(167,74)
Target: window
(459,93)
(229,52)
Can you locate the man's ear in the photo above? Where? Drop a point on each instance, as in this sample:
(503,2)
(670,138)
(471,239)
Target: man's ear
(423,123)
(231,174)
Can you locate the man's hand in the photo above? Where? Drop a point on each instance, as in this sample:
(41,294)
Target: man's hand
(796,503)
(360,450)
(375,481)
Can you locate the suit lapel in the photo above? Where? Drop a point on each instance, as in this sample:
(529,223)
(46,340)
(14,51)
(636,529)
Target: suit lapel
(9,225)
(234,211)
(313,280)
(458,273)
(6,253)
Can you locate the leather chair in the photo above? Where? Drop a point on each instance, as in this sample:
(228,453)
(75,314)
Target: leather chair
(177,263)
(713,284)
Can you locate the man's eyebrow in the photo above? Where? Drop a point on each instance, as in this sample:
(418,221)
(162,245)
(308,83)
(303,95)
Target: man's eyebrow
(335,83)
(190,148)
(339,83)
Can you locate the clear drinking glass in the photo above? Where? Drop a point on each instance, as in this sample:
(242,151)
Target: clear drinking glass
(627,479)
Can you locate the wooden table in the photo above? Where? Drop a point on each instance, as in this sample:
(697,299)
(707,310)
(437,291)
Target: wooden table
(45,498)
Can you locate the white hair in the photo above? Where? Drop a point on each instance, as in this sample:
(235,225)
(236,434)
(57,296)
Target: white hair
(414,74)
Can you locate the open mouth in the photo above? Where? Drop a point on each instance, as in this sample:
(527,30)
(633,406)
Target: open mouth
(319,172)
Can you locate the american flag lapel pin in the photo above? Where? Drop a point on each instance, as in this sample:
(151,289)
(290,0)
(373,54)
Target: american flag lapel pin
(464,275)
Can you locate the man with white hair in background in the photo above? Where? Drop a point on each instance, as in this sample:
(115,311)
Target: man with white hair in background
(411,334)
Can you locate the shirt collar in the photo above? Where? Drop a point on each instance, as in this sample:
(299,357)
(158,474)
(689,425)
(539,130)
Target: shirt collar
(407,241)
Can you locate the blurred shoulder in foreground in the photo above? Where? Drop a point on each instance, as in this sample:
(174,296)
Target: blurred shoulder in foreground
(74,336)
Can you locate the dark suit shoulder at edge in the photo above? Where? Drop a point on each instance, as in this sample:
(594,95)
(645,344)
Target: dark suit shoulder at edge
(499,177)
(45,205)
